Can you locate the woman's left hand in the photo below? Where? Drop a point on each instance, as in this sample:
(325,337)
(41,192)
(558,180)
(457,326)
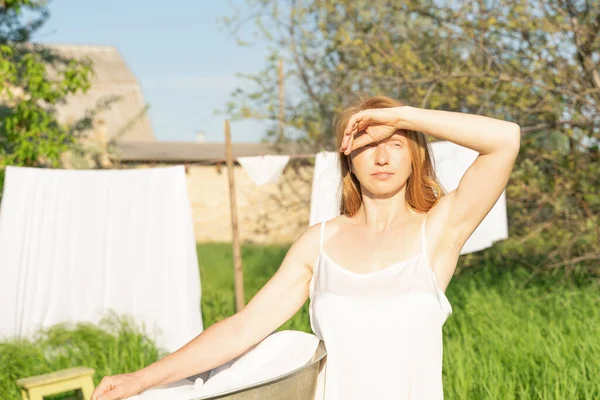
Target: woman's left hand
(377,124)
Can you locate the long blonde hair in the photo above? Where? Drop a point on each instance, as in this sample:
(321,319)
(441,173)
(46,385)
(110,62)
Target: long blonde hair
(422,189)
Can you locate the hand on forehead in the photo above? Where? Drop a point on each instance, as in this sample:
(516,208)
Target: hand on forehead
(375,131)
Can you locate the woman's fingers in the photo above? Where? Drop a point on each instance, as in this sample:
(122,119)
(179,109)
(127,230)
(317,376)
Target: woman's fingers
(352,142)
(351,130)
(361,140)
(349,125)
(105,389)
(117,387)
(371,134)
(348,147)
(352,122)
(357,122)
(102,388)
(363,121)
(346,139)
(118,393)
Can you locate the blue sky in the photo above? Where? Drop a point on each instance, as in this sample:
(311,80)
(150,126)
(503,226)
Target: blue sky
(184,59)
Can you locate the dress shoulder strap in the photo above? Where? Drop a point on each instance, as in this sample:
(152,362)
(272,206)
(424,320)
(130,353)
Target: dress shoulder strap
(423,248)
(322,235)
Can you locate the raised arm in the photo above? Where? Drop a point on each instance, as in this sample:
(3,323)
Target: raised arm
(456,216)
(462,210)
(276,302)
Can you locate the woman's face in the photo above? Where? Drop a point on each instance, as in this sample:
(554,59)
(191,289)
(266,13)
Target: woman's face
(390,156)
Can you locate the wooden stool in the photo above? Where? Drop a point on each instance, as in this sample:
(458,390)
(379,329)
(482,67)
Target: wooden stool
(80,379)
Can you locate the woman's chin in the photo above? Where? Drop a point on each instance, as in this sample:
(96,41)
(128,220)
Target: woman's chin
(382,190)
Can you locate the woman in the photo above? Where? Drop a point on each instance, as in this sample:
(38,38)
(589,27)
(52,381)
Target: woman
(382,267)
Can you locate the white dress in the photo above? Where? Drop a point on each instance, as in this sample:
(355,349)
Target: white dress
(382,330)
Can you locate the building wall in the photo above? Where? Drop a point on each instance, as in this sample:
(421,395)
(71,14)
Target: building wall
(271,213)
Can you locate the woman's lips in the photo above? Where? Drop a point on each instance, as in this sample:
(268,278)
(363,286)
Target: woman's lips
(382,176)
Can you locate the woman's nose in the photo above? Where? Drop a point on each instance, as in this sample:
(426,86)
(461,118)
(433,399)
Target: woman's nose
(381,155)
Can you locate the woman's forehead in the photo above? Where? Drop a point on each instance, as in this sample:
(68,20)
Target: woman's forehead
(398,135)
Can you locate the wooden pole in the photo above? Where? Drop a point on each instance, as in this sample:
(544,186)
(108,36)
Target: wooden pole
(281,99)
(238,274)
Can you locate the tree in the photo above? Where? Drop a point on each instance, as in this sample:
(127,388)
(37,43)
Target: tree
(33,82)
(531,62)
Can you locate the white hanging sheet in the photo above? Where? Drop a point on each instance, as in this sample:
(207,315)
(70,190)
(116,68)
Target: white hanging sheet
(326,188)
(75,244)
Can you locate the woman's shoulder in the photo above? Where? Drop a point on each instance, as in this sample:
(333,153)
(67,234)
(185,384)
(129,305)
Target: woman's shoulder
(340,220)
(308,243)
(335,221)
(306,246)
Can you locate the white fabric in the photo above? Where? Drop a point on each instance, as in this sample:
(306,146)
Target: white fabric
(278,354)
(264,169)
(450,160)
(76,243)
(382,330)
(326,191)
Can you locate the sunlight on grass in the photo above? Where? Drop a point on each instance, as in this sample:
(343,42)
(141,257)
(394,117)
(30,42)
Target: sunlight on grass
(505,340)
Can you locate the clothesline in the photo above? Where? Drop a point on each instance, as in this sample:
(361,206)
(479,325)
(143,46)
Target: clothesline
(222,160)
(213,160)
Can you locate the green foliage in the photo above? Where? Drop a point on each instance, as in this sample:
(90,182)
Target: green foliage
(530,62)
(34,81)
(553,206)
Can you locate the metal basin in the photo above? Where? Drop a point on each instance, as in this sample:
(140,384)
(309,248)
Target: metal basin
(299,384)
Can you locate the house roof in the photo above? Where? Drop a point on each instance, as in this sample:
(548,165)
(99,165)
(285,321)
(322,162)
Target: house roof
(112,77)
(182,152)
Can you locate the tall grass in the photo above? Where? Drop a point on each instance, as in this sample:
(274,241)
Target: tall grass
(509,337)
(505,341)
(115,346)
(216,274)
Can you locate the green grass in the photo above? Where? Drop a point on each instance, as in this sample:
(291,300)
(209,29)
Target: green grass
(115,346)
(510,337)
(216,274)
(504,341)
